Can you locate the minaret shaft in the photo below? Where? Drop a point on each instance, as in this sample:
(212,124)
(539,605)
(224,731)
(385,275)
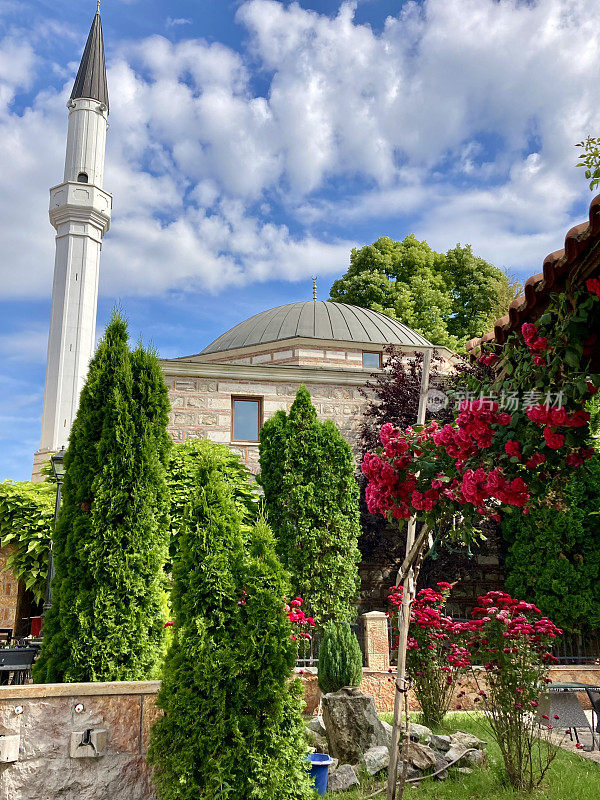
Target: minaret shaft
(80,212)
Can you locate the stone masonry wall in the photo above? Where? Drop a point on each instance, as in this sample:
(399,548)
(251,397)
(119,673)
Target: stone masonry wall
(201,408)
(9,592)
(49,717)
(288,354)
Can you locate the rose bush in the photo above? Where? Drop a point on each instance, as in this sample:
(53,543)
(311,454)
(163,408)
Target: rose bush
(436,656)
(513,641)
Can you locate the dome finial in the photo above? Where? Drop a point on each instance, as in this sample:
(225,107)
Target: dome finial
(97,6)
(314,287)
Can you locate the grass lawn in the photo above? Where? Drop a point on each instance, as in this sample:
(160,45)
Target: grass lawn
(569,778)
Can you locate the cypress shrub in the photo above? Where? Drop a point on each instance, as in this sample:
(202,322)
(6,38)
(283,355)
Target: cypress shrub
(311,500)
(340,658)
(232,726)
(182,473)
(106,621)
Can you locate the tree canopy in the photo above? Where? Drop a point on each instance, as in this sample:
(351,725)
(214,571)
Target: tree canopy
(449,298)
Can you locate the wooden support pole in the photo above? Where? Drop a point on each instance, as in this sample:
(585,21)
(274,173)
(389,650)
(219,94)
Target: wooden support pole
(406,575)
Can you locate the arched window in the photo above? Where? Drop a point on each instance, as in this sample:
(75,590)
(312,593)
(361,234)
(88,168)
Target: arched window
(82,177)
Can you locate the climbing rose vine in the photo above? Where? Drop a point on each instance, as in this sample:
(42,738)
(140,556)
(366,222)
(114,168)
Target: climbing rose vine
(504,446)
(435,655)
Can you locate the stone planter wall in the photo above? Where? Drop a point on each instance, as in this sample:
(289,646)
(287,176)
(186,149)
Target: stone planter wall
(46,768)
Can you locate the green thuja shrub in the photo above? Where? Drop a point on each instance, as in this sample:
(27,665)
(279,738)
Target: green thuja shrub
(311,500)
(182,473)
(232,726)
(106,621)
(340,658)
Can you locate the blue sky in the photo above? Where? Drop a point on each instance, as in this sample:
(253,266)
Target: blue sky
(253,143)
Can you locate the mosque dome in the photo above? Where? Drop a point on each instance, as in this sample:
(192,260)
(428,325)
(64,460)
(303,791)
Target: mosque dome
(316,319)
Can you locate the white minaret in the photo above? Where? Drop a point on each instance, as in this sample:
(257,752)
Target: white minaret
(80,211)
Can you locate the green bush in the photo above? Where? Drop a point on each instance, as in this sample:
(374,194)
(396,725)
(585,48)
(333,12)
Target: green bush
(26,520)
(232,726)
(554,555)
(311,499)
(182,473)
(340,658)
(106,621)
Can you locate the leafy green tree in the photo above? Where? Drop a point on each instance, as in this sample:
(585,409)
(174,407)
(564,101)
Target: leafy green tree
(590,160)
(311,499)
(448,298)
(340,658)
(110,543)
(26,519)
(232,727)
(554,555)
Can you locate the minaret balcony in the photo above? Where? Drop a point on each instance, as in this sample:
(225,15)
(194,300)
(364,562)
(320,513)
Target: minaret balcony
(80,202)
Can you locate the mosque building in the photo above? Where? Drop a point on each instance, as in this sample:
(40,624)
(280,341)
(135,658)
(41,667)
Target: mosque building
(225,392)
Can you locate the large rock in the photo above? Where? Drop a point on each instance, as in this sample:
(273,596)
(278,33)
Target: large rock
(467,740)
(388,731)
(317,725)
(352,724)
(376,759)
(421,756)
(342,779)
(466,757)
(419,732)
(439,742)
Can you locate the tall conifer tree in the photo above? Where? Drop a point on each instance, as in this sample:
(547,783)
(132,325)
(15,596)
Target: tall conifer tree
(311,497)
(232,728)
(111,539)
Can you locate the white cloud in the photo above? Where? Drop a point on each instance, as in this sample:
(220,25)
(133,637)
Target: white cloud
(27,345)
(458,119)
(177,21)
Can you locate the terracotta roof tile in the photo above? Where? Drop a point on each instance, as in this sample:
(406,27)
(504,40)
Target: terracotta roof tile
(578,260)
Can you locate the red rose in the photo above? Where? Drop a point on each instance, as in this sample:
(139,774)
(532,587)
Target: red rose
(593,285)
(541,343)
(529,331)
(539,361)
(513,449)
(558,416)
(554,440)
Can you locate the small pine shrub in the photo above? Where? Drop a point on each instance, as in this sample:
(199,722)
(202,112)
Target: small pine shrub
(340,658)
(232,726)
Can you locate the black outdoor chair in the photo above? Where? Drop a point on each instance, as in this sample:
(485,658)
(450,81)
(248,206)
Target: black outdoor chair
(18,662)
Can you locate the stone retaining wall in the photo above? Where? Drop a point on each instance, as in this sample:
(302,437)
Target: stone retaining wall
(51,715)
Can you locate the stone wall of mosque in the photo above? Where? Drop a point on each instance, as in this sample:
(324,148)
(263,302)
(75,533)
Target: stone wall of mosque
(201,408)
(295,355)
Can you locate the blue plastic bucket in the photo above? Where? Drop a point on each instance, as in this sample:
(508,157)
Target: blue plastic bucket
(319,769)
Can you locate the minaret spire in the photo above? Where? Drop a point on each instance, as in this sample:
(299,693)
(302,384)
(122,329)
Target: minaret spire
(80,211)
(91,77)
